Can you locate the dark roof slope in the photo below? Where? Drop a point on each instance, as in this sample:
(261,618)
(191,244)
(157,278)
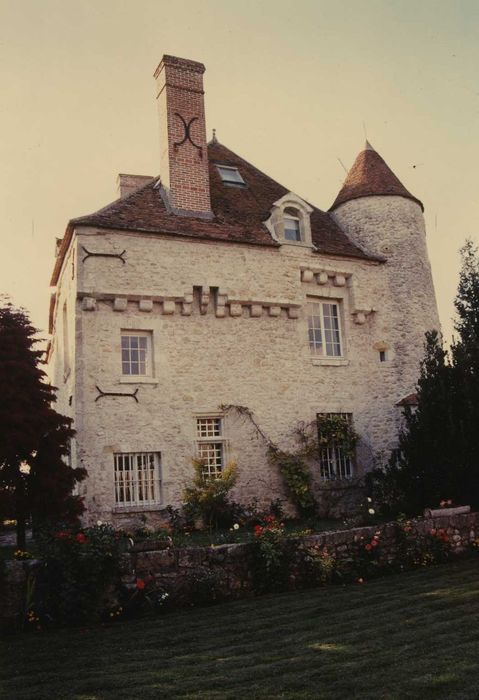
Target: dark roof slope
(239,213)
(371,176)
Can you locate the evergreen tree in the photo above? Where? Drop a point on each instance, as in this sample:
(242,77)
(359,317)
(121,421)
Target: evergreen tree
(35,481)
(439,447)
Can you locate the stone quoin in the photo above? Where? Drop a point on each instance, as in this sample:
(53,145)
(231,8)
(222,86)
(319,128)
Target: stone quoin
(213,285)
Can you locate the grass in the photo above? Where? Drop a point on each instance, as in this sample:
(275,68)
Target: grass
(410,636)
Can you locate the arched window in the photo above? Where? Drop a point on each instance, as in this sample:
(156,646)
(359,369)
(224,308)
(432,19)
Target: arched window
(290,220)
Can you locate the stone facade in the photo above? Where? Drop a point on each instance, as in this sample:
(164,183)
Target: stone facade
(227,324)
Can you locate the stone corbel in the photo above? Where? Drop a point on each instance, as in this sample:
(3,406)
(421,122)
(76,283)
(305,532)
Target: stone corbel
(88,304)
(204,302)
(360,315)
(221,305)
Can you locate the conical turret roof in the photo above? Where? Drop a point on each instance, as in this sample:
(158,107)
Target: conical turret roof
(370,176)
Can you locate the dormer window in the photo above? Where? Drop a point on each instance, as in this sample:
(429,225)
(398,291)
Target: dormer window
(290,221)
(292,228)
(230,176)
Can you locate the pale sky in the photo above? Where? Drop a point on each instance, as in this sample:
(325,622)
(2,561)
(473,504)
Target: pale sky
(292,86)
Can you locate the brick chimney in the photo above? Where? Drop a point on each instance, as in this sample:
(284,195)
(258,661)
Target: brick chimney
(184,158)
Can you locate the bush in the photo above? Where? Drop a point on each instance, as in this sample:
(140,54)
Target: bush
(79,570)
(207,497)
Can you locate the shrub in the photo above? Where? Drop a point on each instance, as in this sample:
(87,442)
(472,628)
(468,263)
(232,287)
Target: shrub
(207,497)
(78,572)
(271,560)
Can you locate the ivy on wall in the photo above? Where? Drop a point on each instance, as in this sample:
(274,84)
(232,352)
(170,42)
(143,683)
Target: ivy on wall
(294,465)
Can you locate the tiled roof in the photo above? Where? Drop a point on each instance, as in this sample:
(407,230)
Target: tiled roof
(371,176)
(239,213)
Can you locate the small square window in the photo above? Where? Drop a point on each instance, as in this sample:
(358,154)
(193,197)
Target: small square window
(137,478)
(136,353)
(292,229)
(229,175)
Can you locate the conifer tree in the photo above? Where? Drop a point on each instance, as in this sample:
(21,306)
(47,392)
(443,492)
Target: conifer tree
(439,446)
(35,481)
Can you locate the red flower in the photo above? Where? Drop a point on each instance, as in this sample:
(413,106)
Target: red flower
(62,535)
(258,530)
(441,532)
(140,584)
(432,531)
(81,538)
(374,543)
(368,547)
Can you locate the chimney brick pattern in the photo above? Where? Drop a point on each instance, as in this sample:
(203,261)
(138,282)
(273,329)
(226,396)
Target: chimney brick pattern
(184,159)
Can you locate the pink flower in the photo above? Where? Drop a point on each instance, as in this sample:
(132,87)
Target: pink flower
(374,543)
(433,531)
(368,547)
(360,580)
(442,504)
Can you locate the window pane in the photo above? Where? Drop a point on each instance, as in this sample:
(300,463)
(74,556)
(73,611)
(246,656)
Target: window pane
(134,354)
(137,478)
(292,231)
(230,174)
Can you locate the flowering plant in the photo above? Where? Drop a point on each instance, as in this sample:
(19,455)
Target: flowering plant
(271,560)
(78,569)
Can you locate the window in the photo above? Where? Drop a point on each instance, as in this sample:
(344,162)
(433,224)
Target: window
(211,445)
(382,356)
(137,478)
(229,175)
(292,229)
(136,353)
(334,460)
(324,329)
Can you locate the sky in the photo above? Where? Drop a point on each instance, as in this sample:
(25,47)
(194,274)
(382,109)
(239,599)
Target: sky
(292,86)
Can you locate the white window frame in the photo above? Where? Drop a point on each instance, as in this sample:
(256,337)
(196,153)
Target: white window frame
(137,478)
(127,333)
(223,171)
(297,220)
(211,444)
(333,463)
(319,348)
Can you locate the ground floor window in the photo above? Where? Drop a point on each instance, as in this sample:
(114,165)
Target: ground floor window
(137,478)
(211,445)
(335,461)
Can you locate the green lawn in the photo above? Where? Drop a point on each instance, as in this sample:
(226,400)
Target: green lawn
(409,636)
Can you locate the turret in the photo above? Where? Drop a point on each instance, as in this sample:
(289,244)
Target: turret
(382,216)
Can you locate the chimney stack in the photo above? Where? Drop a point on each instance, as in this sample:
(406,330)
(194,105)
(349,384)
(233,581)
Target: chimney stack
(184,158)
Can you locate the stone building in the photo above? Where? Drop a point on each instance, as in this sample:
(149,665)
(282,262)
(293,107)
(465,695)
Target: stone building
(212,285)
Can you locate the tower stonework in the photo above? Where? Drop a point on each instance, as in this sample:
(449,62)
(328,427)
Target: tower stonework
(382,216)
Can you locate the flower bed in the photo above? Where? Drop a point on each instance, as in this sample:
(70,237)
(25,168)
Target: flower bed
(143,579)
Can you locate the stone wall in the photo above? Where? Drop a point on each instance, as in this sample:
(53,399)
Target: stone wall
(226,571)
(229,326)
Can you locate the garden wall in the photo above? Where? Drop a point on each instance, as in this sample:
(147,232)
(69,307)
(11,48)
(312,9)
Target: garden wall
(196,575)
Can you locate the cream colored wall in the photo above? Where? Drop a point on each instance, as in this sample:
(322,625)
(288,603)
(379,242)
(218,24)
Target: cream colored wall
(255,353)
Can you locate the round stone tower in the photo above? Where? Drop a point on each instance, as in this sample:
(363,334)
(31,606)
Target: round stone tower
(383,217)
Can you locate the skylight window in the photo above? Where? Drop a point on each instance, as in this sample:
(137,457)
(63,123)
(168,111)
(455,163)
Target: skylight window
(229,175)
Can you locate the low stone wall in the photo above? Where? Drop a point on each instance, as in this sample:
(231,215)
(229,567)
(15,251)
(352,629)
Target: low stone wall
(230,566)
(201,574)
